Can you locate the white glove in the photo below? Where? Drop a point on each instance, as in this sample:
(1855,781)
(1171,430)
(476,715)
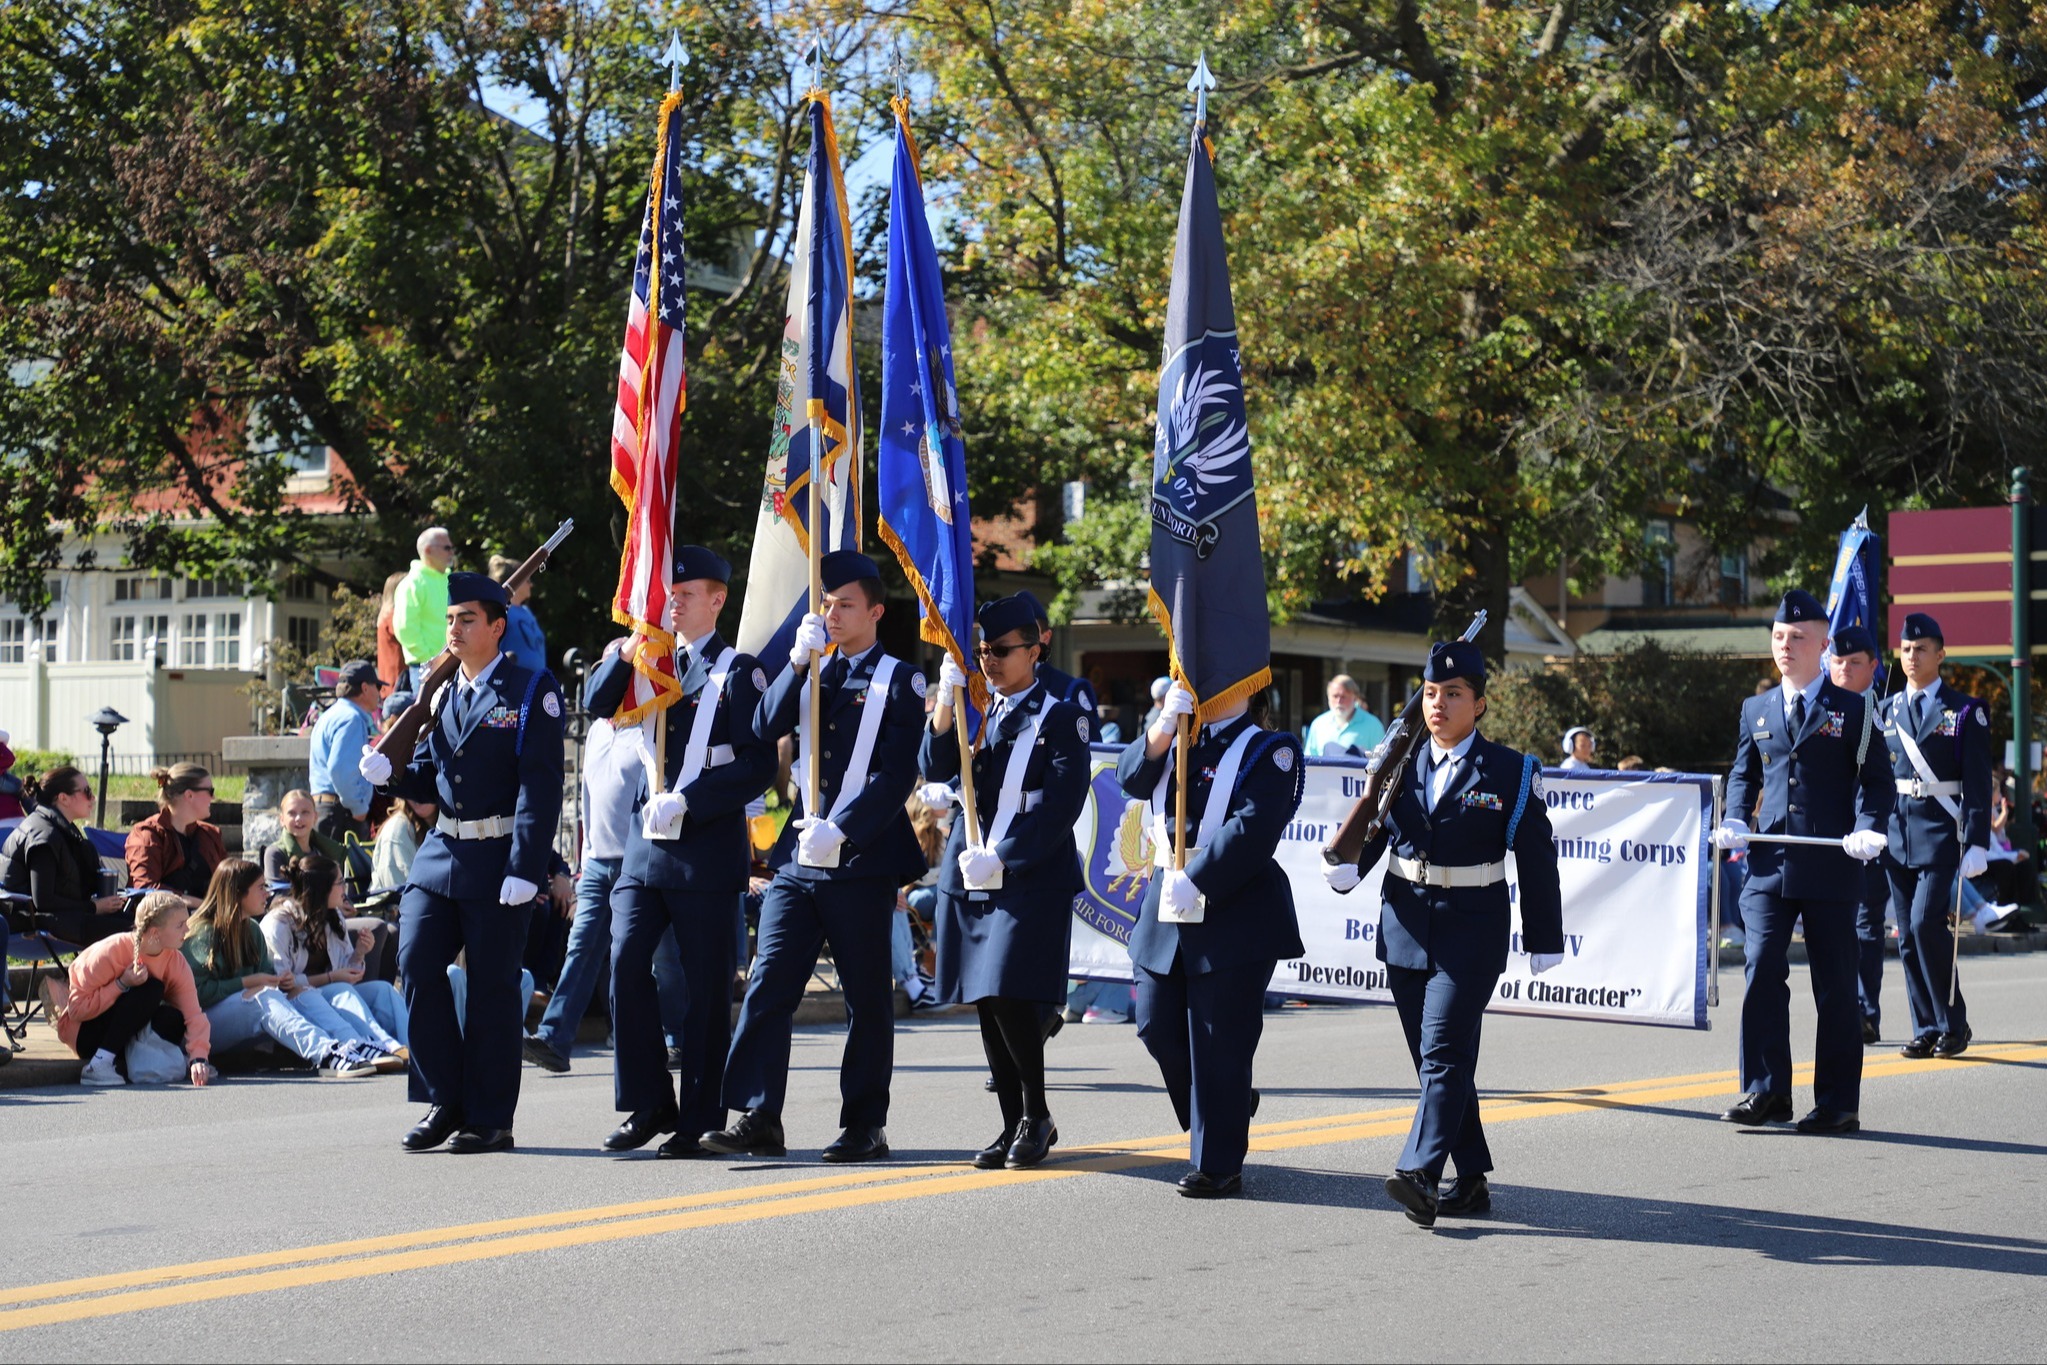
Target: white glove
(1342,877)
(937,795)
(375,767)
(819,842)
(810,639)
(1180,894)
(1975,862)
(1538,963)
(1863,845)
(1732,835)
(979,866)
(949,677)
(517,891)
(1178,701)
(662,818)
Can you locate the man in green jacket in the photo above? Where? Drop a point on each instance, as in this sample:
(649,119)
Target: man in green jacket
(419,618)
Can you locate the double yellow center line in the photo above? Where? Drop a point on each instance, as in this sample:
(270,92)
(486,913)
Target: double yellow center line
(135,1291)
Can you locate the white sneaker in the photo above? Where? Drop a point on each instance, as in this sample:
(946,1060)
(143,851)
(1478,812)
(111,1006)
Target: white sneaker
(1097,1015)
(100,1071)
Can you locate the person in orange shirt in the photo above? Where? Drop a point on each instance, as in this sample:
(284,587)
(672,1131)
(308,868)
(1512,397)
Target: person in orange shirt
(122,985)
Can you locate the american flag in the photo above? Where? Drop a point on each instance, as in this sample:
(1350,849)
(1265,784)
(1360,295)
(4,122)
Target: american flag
(652,391)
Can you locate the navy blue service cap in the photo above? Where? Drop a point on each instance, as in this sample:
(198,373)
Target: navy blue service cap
(1456,659)
(841,567)
(1920,626)
(1854,640)
(476,587)
(1799,605)
(1005,614)
(694,561)
(1038,612)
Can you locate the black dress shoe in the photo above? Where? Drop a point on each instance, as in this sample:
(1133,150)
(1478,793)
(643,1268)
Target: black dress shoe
(1053,1023)
(754,1133)
(1467,1197)
(858,1144)
(988,1084)
(1755,1110)
(433,1130)
(1202,1185)
(1922,1046)
(471,1141)
(681,1147)
(1416,1193)
(641,1129)
(541,1055)
(1035,1139)
(1829,1121)
(1869,1033)
(1953,1044)
(991,1157)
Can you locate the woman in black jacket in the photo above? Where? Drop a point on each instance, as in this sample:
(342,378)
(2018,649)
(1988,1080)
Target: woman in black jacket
(49,860)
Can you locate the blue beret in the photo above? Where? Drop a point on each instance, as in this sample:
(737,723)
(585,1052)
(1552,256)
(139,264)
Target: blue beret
(1005,614)
(1038,612)
(476,587)
(694,561)
(841,567)
(1920,626)
(1854,640)
(1456,659)
(1799,605)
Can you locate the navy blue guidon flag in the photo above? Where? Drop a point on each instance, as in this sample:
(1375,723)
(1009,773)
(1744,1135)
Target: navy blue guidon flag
(819,393)
(1207,573)
(1853,596)
(921,466)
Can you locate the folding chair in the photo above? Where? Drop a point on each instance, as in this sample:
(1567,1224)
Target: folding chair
(30,938)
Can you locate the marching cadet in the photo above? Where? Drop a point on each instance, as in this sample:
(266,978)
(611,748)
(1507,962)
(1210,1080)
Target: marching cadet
(1005,905)
(1446,920)
(1939,742)
(1807,765)
(491,760)
(837,871)
(1211,933)
(686,863)
(1851,663)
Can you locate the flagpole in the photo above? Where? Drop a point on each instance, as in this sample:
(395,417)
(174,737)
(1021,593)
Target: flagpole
(1182,736)
(959,726)
(816,718)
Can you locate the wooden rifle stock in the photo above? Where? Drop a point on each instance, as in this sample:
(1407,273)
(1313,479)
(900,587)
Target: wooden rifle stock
(398,742)
(1383,775)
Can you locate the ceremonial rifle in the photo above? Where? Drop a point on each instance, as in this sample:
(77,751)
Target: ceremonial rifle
(1383,772)
(399,741)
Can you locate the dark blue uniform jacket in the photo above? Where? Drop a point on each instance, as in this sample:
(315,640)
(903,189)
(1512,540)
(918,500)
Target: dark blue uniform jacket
(1954,738)
(1828,780)
(1037,852)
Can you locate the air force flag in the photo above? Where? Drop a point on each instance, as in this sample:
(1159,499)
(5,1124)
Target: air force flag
(1853,595)
(1207,574)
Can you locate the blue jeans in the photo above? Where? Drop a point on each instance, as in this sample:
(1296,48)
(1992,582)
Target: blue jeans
(339,1011)
(458,986)
(589,955)
(239,1018)
(387,1009)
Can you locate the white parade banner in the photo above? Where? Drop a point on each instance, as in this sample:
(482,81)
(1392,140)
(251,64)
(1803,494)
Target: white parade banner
(1632,857)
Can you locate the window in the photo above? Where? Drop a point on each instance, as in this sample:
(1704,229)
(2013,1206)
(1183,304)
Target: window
(301,588)
(1659,570)
(1734,579)
(142,590)
(210,640)
(135,637)
(302,633)
(211,587)
(227,639)
(278,428)
(17,633)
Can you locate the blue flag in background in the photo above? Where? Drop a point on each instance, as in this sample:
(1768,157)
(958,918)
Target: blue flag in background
(818,392)
(1207,574)
(1853,595)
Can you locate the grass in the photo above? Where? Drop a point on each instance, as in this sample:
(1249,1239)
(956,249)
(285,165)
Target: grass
(226,787)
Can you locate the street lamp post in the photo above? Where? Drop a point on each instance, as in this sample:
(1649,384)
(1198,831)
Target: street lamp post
(106,720)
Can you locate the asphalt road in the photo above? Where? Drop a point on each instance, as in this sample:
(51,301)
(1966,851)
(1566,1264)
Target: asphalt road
(277,1220)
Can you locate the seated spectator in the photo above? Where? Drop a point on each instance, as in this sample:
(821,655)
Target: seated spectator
(309,941)
(921,896)
(1633,763)
(176,849)
(240,987)
(125,984)
(1578,745)
(300,837)
(398,844)
(1346,727)
(48,859)
(12,788)
(1159,688)
(1111,729)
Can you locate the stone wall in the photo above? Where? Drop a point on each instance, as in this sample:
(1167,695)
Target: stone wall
(275,765)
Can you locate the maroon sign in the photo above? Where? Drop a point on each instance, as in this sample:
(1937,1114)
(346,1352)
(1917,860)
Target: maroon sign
(1954,565)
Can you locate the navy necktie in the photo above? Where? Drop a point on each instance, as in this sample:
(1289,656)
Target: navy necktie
(1797,711)
(835,672)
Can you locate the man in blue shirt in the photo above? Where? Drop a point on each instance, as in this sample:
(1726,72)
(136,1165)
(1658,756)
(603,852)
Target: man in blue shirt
(1346,727)
(341,792)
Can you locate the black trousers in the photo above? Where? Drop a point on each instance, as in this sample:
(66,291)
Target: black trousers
(1014,1039)
(133,1011)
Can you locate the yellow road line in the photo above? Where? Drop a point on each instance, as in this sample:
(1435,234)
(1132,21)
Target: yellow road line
(60,1301)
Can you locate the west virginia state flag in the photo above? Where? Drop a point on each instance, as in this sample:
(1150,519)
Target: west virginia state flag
(1207,573)
(818,394)
(921,466)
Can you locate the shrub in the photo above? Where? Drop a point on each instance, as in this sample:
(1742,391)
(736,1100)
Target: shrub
(1676,709)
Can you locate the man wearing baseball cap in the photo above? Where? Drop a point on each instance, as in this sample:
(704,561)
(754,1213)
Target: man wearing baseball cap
(342,793)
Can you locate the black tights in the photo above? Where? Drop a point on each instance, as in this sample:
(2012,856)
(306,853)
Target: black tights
(1015,1042)
(132,1011)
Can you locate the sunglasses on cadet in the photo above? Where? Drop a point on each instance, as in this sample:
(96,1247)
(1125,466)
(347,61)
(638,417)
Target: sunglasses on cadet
(999,651)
